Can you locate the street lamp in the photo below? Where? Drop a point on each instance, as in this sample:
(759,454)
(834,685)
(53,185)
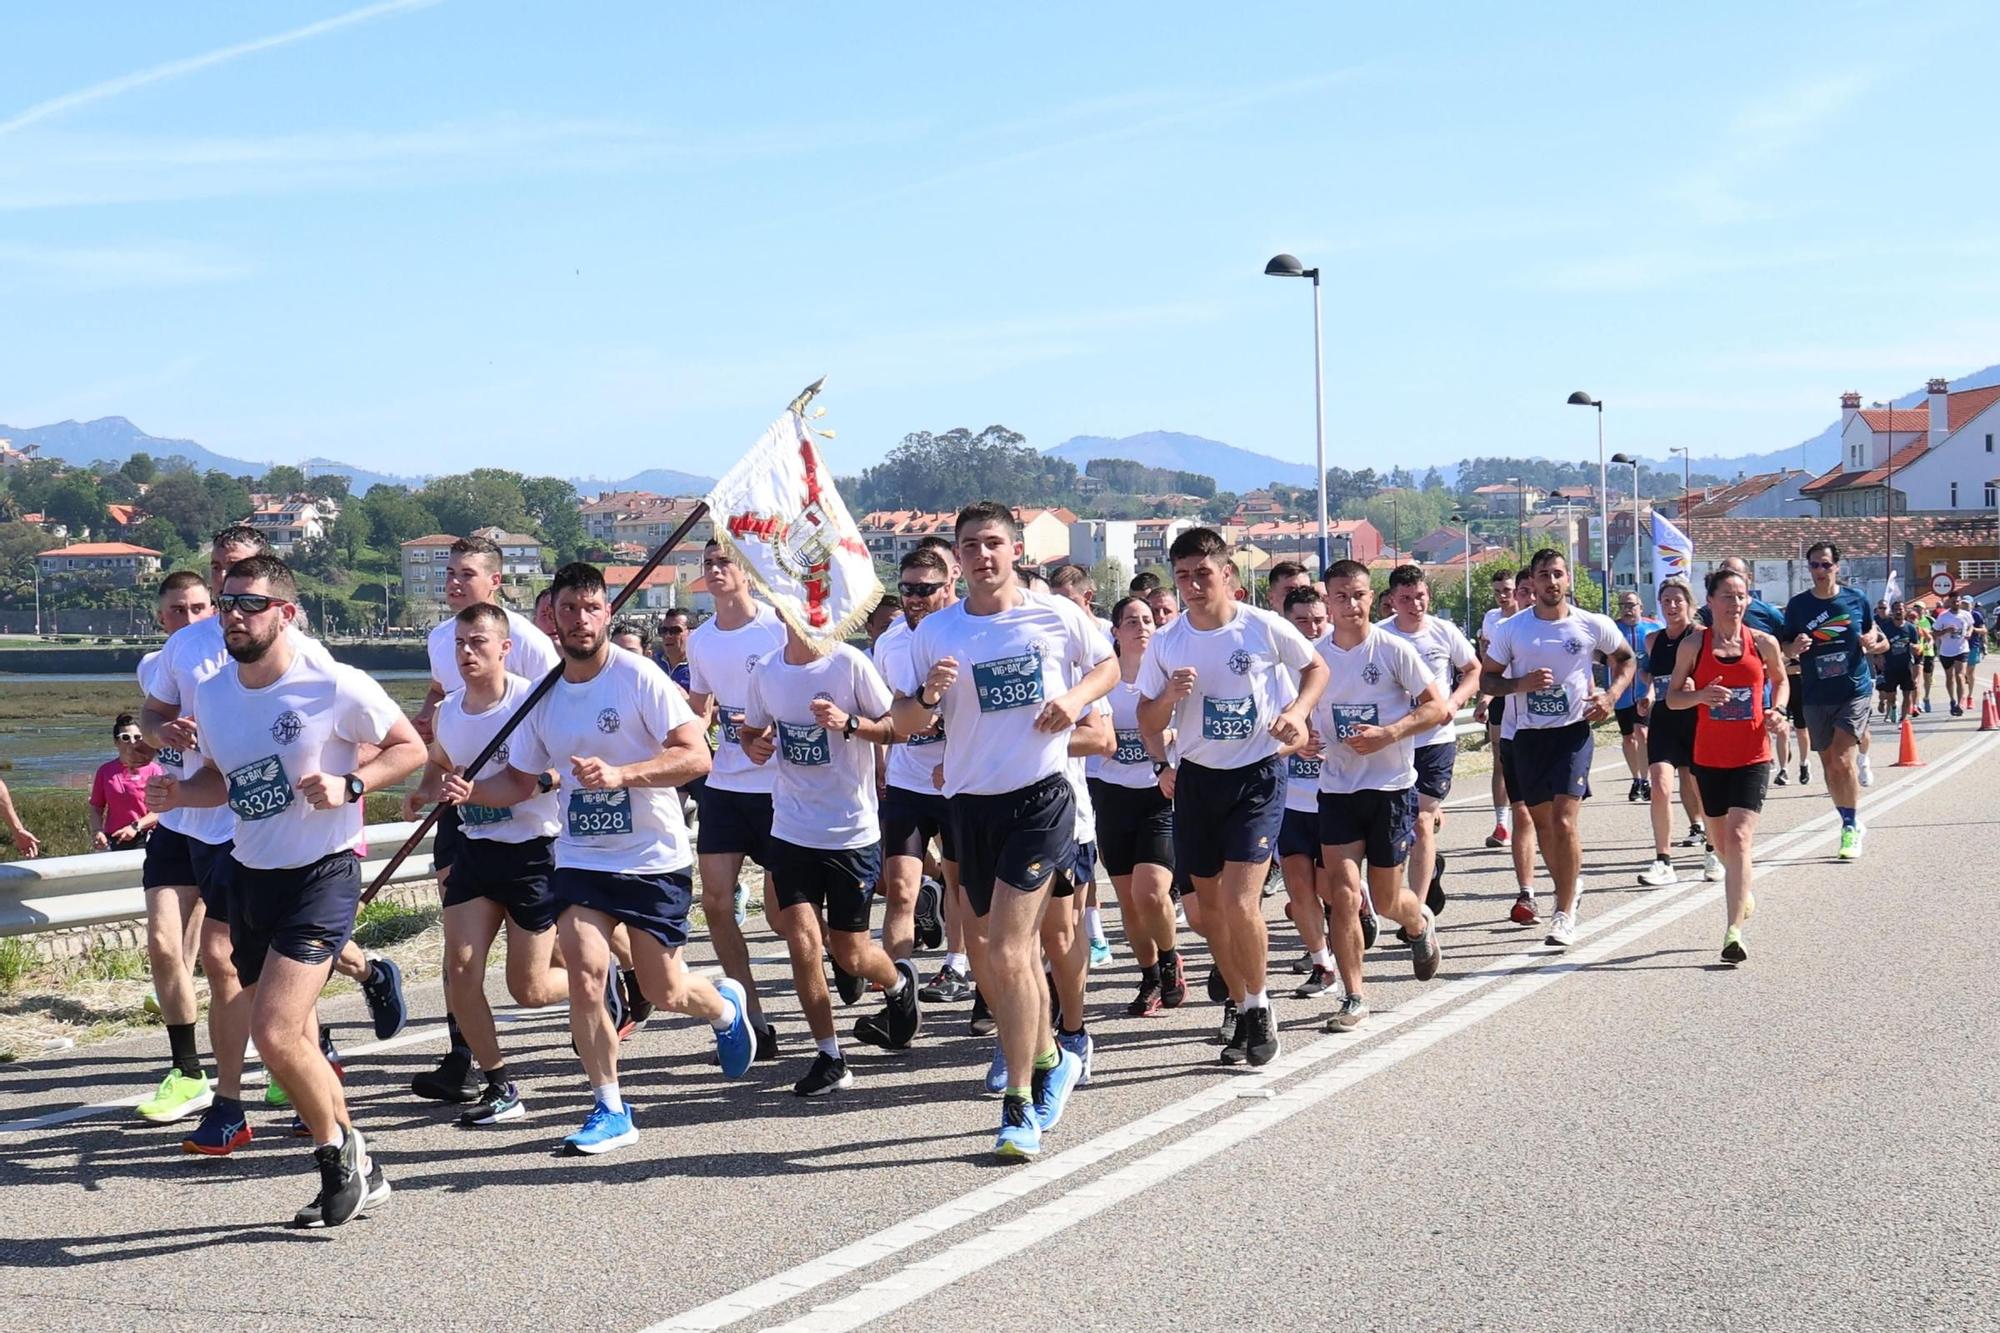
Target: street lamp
(1466,523)
(1582,399)
(1288,266)
(1627,458)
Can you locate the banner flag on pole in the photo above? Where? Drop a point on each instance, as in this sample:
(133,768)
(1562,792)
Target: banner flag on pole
(778,514)
(1673,553)
(1893,591)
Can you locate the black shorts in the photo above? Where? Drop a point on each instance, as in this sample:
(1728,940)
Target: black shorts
(1930,666)
(1894,677)
(215,872)
(1074,876)
(1795,708)
(1628,718)
(1505,749)
(514,874)
(169,863)
(1135,827)
(657,904)
(446,838)
(1670,740)
(1298,835)
(733,823)
(835,881)
(1383,822)
(304,913)
(1552,762)
(910,819)
(1227,814)
(1017,838)
(1726,789)
(1435,764)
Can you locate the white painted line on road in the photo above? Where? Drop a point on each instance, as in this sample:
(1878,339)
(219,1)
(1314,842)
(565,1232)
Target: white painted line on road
(841,1263)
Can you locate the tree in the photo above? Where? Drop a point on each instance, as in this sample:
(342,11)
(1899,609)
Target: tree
(117,488)
(184,502)
(282,480)
(394,516)
(159,534)
(75,503)
(139,467)
(318,557)
(19,542)
(936,472)
(31,483)
(480,498)
(551,504)
(229,498)
(1111,579)
(349,534)
(333,486)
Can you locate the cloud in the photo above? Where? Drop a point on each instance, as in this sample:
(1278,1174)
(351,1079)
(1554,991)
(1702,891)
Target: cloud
(109,268)
(174,69)
(1760,134)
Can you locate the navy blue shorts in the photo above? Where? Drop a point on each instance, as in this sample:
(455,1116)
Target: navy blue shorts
(1017,838)
(514,874)
(169,863)
(657,904)
(1227,814)
(1434,768)
(910,819)
(1552,762)
(304,913)
(1383,822)
(836,881)
(446,838)
(733,823)
(1135,827)
(1077,872)
(215,872)
(1299,834)
(1504,749)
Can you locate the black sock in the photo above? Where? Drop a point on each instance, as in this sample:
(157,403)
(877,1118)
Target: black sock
(457,1037)
(1149,975)
(180,1041)
(496,1077)
(1168,957)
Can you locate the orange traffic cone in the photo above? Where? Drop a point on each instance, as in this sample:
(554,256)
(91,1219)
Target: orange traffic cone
(1906,756)
(1989,716)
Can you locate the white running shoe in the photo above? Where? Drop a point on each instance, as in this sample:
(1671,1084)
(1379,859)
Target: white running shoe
(1867,773)
(1562,930)
(1711,867)
(1660,874)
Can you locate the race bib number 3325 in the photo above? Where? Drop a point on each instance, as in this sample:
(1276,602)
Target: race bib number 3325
(260,790)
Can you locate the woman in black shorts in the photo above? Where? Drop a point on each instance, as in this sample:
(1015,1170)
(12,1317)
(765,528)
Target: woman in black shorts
(1670,739)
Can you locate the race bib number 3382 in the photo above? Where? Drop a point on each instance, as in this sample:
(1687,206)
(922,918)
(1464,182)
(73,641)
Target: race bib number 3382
(1009,682)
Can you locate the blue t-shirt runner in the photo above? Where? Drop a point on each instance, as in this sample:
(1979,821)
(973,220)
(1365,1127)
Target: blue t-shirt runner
(1833,669)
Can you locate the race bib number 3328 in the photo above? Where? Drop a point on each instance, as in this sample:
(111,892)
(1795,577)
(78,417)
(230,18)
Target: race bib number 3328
(599,814)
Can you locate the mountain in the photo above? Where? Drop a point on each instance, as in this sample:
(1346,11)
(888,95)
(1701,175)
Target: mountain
(1233,469)
(659,480)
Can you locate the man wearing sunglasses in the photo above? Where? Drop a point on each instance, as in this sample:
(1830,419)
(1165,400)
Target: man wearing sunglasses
(670,648)
(282,730)
(1830,631)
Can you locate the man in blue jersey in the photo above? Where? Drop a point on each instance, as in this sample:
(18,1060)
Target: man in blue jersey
(1636,700)
(1830,630)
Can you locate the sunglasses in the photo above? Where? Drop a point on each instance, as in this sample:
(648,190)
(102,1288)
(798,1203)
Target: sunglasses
(920,589)
(128,738)
(249,603)
(1820,564)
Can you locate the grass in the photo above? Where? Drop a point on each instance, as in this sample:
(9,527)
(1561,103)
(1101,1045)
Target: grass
(109,963)
(17,960)
(385,922)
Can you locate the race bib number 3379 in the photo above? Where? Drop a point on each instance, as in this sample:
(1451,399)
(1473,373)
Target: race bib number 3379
(803,745)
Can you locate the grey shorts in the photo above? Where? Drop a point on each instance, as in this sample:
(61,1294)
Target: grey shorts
(1823,720)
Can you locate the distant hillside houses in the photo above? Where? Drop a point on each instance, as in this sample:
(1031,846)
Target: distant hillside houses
(105,564)
(1937,458)
(892,534)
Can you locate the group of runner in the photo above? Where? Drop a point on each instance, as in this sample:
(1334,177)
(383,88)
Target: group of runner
(976,766)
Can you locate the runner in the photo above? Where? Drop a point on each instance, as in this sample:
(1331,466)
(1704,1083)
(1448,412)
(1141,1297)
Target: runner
(1066,951)
(631,636)
(1166,607)
(1719,676)
(1492,713)
(816,720)
(993,666)
(1544,657)
(502,867)
(1636,702)
(735,798)
(1454,664)
(280,727)
(1380,700)
(1670,740)
(1309,891)
(1905,639)
(671,646)
(545,613)
(1928,662)
(1824,629)
(1133,794)
(1217,677)
(1285,577)
(1521,845)
(1952,628)
(622,737)
(1075,583)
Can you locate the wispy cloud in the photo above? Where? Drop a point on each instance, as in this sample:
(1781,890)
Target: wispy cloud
(174,69)
(114,267)
(1761,134)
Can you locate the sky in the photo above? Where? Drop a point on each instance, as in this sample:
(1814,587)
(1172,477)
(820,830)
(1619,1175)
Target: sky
(427,235)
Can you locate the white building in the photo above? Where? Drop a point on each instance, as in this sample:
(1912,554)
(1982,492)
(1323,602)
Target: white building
(1936,458)
(1092,541)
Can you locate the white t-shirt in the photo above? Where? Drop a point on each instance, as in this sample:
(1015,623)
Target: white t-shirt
(622,715)
(262,741)
(533,654)
(823,789)
(211,825)
(1525,643)
(1442,646)
(1078,772)
(1130,765)
(1370,684)
(1010,663)
(719,665)
(910,763)
(1949,628)
(462,735)
(1244,673)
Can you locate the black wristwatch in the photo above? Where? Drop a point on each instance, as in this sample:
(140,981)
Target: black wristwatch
(545,782)
(847,732)
(930,704)
(356,788)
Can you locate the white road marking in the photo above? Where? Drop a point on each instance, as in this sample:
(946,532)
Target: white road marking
(1369,1057)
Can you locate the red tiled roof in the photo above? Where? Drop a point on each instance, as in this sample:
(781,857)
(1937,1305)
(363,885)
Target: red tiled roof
(1838,480)
(1722,500)
(122,514)
(435,539)
(1896,419)
(1966,404)
(617,576)
(1784,538)
(101,548)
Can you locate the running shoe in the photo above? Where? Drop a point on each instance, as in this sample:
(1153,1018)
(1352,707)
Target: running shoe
(901,1009)
(737,1043)
(1147,1002)
(930,914)
(828,1074)
(1660,874)
(1733,951)
(996,1070)
(637,1007)
(1425,951)
(1348,1016)
(1218,989)
(1302,964)
(1632,792)
(1782,778)
(1712,868)
(223,1129)
(1100,952)
(1371,929)
(1524,912)
(850,987)
(1052,1087)
(1435,899)
(497,1102)
(1225,1031)
(614,1005)
(1173,982)
(452,1081)
(1498,837)
(1239,1033)
(1084,1049)
(1850,843)
(767,1043)
(383,989)
(1645,789)
(1562,931)
(1805,775)
(345,1180)
(739,903)
(949,986)
(981,1024)
(603,1130)
(1322,980)
(1274,879)
(1020,1134)
(178,1095)
(152,1003)
(1695,837)
(1957,711)
(377,1195)
(1260,1039)
(274,1092)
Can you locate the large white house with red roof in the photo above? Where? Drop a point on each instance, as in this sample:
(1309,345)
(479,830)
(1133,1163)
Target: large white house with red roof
(1935,458)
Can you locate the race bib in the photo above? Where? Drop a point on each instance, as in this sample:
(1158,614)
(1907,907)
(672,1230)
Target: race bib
(170,757)
(1548,703)
(1349,718)
(259,790)
(1737,709)
(1661,684)
(480,816)
(803,745)
(599,814)
(1131,748)
(1228,719)
(732,723)
(926,738)
(1830,666)
(1009,682)
(1304,769)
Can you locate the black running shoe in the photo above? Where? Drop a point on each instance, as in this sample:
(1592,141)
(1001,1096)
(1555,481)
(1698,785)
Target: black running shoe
(614,1005)
(383,989)
(1435,898)
(1632,792)
(1322,980)
(452,1081)
(767,1043)
(949,986)
(343,1181)
(981,1024)
(1239,1032)
(851,987)
(1173,981)
(1370,929)
(828,1074)
(1147,1002)
(1229,1028)
(1302,964)
(930,914)
(377,1195)
(900,1011)
(637,1007)
(1695,837)
(497,1102)
(1218,989)
(1260,1035)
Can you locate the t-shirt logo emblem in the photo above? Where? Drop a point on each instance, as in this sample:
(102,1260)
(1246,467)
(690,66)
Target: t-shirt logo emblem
(608,721)
(749,664)
(500,756)
(1371,673)
(288,728)
(1572,647)
(1239,662)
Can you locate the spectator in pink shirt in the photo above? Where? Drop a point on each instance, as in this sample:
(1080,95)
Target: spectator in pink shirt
(118,815)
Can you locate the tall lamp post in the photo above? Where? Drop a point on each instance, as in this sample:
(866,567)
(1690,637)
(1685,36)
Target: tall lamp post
(1582,399)
(1687,499)
(1465,523)
(1288,266)
(1627,458)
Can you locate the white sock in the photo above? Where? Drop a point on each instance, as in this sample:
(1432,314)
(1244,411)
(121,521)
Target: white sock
(1528,889)
(728,1019)
(956,962)
(1504,814)
(337,1140)
(1324,958)
(1093,921)
(828,1046)
(608,1096)
(901,982)
(1260,1000)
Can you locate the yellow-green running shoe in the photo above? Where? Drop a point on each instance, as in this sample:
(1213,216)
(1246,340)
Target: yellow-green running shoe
(275,1095)
(178,1095)
(1850,843)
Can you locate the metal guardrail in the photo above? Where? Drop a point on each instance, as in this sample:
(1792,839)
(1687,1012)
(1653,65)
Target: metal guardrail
(60,892)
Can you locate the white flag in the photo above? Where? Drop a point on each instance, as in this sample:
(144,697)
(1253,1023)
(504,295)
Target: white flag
(1893,592)
(779,515)
(1673,553)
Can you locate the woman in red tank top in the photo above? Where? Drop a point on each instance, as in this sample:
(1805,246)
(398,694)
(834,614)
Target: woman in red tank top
(1721,672)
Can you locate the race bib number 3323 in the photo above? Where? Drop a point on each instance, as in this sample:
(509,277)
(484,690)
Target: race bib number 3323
(1228,719)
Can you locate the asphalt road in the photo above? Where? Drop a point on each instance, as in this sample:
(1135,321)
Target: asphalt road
(1626,1135)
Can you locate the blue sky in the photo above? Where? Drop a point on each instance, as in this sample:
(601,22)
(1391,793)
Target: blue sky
(594,238)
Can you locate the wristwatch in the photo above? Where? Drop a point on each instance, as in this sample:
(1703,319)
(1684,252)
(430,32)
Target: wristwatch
(847,732)
(931,704)
(356,788)
(545,782)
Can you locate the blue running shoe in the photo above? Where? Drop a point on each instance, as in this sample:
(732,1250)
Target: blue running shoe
(1100,953)
(996,1073)
(1083,1048)
(223,1129)
(736,1045)
(1053,1087)
(383,989)
(1020,1137)
(603,1129)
